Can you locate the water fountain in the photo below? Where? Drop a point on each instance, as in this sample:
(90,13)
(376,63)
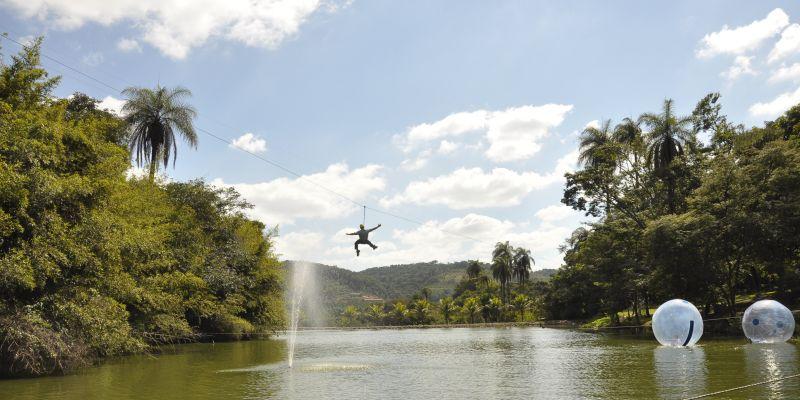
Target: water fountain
(302,285)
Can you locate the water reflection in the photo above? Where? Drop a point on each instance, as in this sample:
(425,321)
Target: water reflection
(680,372)
(771,361)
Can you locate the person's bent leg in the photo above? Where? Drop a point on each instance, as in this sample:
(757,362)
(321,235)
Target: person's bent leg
(371,245)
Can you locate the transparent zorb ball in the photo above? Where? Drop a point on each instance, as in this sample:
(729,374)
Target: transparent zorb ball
(677,323)
(767,321)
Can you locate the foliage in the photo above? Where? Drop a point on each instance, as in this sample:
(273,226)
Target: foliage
(701,222)
(94,264)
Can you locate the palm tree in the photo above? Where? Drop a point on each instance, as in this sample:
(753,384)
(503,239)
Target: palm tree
(495,308)
(422,311)
(521,303)
(629,134)
(350,316)
(447,307)
(375,313)
(522,264)
(471,308)
(153,117)
(666,140)
(474,269)
(502,266)
(400,313)
(597,145)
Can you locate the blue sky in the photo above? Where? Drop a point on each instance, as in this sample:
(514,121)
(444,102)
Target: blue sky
(462,115)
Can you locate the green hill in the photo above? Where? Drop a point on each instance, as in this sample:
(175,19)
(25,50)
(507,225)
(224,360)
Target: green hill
(339,287)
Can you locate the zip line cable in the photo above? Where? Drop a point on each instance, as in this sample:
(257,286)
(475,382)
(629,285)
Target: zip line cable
(264,159)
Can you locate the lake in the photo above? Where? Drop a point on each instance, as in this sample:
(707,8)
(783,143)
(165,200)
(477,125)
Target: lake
(459,363)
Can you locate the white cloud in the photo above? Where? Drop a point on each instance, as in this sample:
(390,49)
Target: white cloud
(249,142)
(447,147)
(474,188)
(592,124)
(128,45)
(513,134)
(784,74)
(776,106)
(741,66)
(297,246)
(93,59)
(176,26)
(283,200)
(744,38)
(112,104)
(555,212)
(788,44)
(26,40)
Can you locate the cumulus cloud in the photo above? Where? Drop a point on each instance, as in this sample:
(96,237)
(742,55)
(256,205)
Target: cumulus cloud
(129,45)
(512,134)
(300,246)
(447,147)
(786,74)
(284,200)
(776,106)
(475,188)
(788,44)
(249,142)
(744,38)
(112,104)
(176,26)
(741,66)
(555,212)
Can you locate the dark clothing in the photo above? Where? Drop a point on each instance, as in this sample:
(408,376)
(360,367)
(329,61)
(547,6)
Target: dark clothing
(363,234)
(363,238)
(364,241)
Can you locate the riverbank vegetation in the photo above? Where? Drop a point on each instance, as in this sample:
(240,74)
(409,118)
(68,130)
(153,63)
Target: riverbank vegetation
(97,263)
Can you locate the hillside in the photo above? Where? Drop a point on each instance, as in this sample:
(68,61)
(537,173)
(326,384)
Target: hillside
(339,287)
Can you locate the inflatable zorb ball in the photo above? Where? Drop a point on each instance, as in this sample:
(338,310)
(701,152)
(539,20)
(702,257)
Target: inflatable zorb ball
(767,321)
(677,323)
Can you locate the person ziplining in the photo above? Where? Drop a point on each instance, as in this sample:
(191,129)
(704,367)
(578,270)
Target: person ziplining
(363,238)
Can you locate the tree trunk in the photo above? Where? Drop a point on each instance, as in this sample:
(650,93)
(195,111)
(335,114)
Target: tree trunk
(153,163)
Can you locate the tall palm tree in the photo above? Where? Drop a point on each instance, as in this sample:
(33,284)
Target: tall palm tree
(522,264)
(667,137)
(473,269)
(153,117)
(502,266)
(628,133)
(597,145)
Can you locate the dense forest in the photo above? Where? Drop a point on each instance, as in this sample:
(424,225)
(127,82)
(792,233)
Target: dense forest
(95,263)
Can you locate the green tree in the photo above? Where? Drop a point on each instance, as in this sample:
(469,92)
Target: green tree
(474,269)
(375,313)
(502,265)
(521,303)
(471,309)
(447,307)
(350,316)
(153,117)
(667,138)
(522,265)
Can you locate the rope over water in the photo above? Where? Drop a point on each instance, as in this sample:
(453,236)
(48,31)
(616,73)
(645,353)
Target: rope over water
(702,396)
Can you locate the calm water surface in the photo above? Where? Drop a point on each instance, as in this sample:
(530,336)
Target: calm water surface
(513,363)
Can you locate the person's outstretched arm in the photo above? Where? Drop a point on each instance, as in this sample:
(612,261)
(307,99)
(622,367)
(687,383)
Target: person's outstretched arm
(379,225)
(352,234)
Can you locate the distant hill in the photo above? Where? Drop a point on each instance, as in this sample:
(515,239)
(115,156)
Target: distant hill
(339,287)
